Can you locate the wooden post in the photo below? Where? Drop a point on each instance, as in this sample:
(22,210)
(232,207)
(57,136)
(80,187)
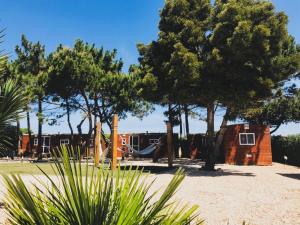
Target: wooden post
(97,144)
(170,144)
(114,141)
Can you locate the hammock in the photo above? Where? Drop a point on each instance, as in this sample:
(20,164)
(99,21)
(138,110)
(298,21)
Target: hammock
(146,151)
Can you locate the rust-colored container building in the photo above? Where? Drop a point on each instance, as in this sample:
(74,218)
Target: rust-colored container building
(247,144)
(138,142)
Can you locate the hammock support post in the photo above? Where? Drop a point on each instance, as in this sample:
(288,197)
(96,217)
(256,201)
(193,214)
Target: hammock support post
(114,141)
(97,144)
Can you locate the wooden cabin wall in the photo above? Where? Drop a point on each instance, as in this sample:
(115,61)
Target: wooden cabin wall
(258,154)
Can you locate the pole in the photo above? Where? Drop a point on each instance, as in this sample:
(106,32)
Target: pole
(114,142)
(97,144)
(170,144)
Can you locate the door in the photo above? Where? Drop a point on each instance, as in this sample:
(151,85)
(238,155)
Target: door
(46,144)
(134,142)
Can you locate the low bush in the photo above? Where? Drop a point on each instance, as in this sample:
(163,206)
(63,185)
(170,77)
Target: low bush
(95,196)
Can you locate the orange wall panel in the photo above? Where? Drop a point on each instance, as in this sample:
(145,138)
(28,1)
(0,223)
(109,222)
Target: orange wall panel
(258,154)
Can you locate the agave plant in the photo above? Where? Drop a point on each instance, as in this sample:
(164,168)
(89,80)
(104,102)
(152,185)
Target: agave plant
(85,195)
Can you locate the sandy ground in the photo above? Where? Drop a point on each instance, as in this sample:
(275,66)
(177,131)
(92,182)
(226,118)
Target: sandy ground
(258,195)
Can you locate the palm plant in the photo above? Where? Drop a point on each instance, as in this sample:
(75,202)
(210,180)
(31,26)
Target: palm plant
(85,195)
(12,103)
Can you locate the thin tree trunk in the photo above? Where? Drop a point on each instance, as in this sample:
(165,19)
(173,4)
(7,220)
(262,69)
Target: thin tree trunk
(170,142)
(95,118)
(69,121)
(104,137)
(180,122)
(210,159)
(95,133)
(186,115)
(18,134)
(275,129)
(29,132)
(89,116)
(40,125)
(79,127)
(221,133)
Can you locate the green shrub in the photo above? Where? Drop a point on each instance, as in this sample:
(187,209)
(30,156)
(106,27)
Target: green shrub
(286,146)
(96,196)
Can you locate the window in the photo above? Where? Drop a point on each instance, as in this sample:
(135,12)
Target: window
(153,141)
(35,142)
(123,141)
(64,141)
(247,139)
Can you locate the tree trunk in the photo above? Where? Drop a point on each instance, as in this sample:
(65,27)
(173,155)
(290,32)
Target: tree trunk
(29,131)
(275,129)
(104,137)
(170,139)
(18,134)
(221,133)
(88,141)
(95,133)
(95,118)
(89,116)
(186,115)
(79,127)
(40,124)
(210,159)
(69,121)
(180,122)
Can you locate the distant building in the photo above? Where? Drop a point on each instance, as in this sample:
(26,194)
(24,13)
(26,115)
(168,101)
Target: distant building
(243,144)
(136,141)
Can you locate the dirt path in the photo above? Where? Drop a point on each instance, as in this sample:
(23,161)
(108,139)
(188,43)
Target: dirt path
(259,195)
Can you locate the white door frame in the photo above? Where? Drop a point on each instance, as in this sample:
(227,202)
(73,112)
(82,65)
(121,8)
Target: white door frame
(46,146)
(131,141)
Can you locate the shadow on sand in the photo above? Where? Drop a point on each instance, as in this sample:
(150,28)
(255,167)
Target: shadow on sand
(190,171)
(290,175)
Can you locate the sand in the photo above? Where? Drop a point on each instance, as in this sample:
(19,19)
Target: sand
(268,195)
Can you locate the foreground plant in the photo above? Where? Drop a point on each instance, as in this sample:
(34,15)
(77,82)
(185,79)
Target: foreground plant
(85,195)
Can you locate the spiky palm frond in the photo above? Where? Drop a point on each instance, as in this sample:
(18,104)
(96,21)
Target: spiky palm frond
(84,195)
(12,102)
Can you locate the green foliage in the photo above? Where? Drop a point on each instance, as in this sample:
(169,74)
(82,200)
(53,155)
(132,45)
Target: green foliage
(104,197)
(232,52)
(30,67)
(250,53)
(282,108)
(171,65)
(90,79)
(286,146)
(9,149)
(12,103)
(24,131)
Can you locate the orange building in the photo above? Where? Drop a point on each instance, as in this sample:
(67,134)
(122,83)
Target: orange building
(243,144)
(247,144)
(137,142)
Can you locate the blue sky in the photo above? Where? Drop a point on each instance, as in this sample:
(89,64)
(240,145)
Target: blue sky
(113,24)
